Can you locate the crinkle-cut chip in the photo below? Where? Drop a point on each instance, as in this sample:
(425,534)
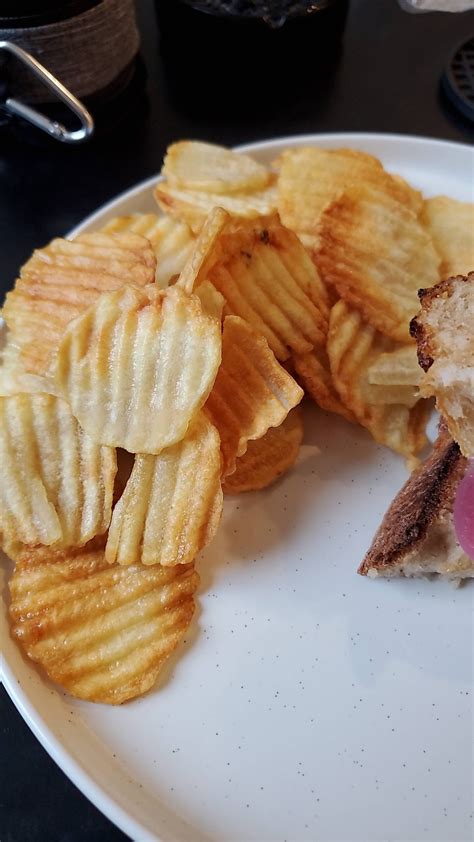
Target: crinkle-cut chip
(314,373)
(204,249)
(212,301)
(266,459)
(60,281)
(267,278)
(377,254)
(406,193)
(252,391)
(193,206)
(138,365)
(172,503)
(309,179)
(381,395)
(101,632)
(172,241)
(57,484)
(396,368)
(213,169)
(451,225)
(353,345)
(15,379)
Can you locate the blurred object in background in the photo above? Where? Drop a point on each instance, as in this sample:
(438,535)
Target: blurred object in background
(90,46)
(247,55)
(11,107)
(458,79)
(437,5)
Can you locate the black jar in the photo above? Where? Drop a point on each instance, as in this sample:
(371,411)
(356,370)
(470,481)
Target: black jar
(227,59)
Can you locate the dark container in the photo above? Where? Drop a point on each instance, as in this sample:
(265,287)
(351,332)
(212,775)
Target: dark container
(110,106)
(27,13)
(226,61)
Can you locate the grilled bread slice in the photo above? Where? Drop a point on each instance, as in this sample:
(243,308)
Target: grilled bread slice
(417,537)
(444,331)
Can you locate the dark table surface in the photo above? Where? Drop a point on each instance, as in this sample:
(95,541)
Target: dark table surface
(385,78)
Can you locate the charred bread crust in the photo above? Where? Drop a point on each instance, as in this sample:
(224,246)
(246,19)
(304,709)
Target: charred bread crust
(420,332)
(428,493)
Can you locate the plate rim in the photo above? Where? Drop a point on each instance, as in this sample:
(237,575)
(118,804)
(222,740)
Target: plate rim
(77,773)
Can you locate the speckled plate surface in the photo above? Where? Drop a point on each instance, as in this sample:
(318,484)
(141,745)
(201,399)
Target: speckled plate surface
(308,703)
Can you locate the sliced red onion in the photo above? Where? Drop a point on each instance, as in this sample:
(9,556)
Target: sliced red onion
(464,511)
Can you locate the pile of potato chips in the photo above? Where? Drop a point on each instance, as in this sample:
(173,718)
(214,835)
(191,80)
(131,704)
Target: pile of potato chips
(159,362)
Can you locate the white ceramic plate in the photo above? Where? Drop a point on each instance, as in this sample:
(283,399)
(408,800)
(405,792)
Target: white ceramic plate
(308,703)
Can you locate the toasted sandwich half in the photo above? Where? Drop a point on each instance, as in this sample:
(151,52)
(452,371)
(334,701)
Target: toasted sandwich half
(444,332)
(418,536)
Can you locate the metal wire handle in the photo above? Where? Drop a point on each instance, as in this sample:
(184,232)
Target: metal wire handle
(51,127)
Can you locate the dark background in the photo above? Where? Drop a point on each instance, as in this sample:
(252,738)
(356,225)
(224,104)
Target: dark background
(384,78)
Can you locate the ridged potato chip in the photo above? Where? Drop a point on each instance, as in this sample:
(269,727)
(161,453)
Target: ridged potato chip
(309,179)
(57,484)
(267,277)
(172,503)
(314,373)
(212,301)
(204,252)
(213,169)
(266,459)
(61,280)
(102,632)
(384,395)
(172,241)
(451,225)
(377,254)
(193,206)
(252,391)
(353,346)
(138,365)
(15,379)
(396,368)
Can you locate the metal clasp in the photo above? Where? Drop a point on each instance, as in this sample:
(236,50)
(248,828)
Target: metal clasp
(51,127)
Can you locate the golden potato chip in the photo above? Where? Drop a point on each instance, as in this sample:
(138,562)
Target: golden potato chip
(309,179)
(252,391)
(60,281)
(102,632)
(172,503)
(15,379)
(57,484)
(353,345)
(266,459)
(172,241)
(314,373)
(451,225)
(376,253)
(266,277)
(396,368)
(203,252)
(138,365)
(213,169)
(378,395)
(212,301)
(193,206)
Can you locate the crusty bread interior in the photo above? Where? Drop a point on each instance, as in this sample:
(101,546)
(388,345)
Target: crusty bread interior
(444,331)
